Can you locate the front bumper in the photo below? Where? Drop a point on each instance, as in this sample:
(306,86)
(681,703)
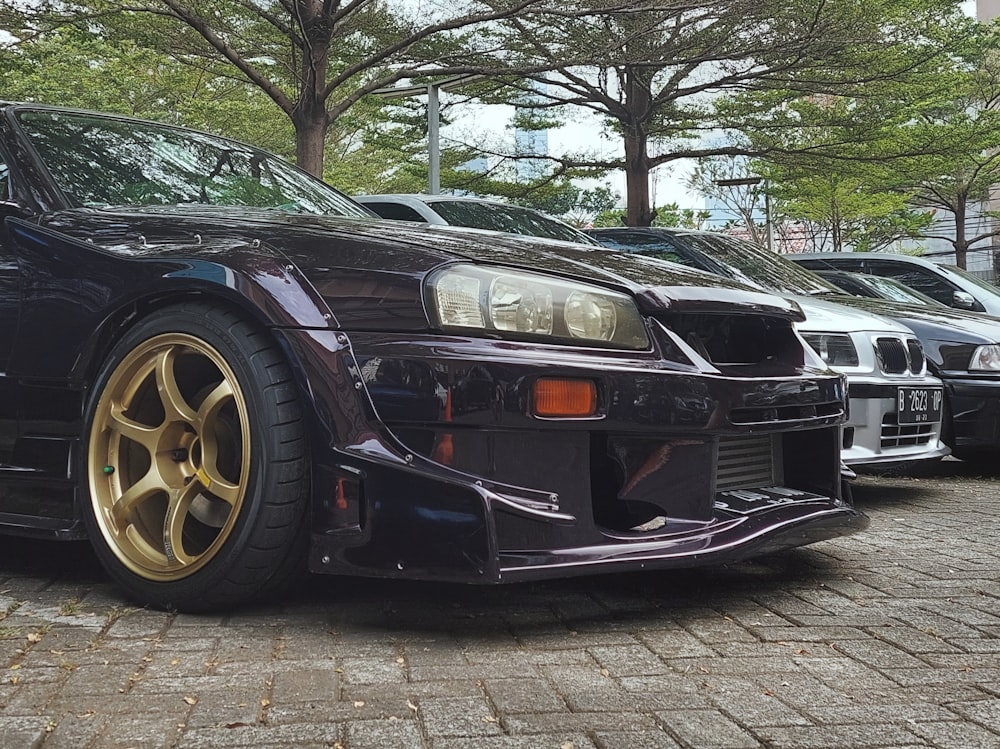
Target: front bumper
(429,464)
(974,407)
(873,436)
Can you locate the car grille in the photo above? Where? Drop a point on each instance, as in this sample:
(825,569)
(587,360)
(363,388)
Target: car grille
(896,357)
(916,352)
(895,435)
(746,462)
(891,355)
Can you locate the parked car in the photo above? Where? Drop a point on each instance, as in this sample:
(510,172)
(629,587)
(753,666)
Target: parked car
(948,284)
(895,403)
(876,287)
(473,213)
(215,366)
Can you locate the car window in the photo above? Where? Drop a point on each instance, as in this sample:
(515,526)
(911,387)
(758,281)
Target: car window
(100,162)
(395,211)
(922,280)
(890,288)
(507,218)
(647,244)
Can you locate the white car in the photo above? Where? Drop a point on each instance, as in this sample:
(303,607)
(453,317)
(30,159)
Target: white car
(896,405)
(472,213)
(947,284)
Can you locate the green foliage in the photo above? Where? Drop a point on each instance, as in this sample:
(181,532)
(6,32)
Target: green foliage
(669,215)
(844,212)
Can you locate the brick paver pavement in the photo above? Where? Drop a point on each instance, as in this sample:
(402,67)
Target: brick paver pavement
(890,638)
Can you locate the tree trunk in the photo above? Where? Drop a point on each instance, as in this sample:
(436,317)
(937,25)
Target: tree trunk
(310,117)
(310,139)
(638,100)
(638,210)
(961,244)
(836,234)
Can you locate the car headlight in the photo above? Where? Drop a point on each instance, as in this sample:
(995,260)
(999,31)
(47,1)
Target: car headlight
(518,303)
(986,358)
(836,349)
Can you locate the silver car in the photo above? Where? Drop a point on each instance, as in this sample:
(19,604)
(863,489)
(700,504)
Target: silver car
(472,213)
(947,284)
(896,405)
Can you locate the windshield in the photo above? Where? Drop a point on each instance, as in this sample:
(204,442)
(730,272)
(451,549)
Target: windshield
(971,278)
(890,288)
(759,267)
(507,218)
(100,162)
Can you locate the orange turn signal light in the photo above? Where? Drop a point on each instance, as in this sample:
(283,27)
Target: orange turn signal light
(556,397)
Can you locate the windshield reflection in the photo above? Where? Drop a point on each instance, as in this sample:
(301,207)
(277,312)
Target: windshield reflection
(758,267)
(100,162)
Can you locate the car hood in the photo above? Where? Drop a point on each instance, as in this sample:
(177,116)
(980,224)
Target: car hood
(942,324)
(326,248)
(827,317)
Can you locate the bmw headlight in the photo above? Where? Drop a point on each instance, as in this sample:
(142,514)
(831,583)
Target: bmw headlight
(836,349)
(986,358)
(519,303)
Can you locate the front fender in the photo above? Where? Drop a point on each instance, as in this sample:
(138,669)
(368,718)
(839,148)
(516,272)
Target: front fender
(76,297)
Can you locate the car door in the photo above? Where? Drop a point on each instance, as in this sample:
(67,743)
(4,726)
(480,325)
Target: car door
(9,302)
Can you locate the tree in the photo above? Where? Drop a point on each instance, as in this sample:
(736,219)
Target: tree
(670,215)
(663,74)
(968,117)
(840,212)
(744,197)
(313,59)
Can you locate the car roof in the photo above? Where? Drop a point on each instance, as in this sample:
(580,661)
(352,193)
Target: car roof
(890,256)
(426,198)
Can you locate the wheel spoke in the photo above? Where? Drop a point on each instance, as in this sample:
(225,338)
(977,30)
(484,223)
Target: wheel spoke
(215,484)
(124,507)
(209,428)
(144,435)
(173,524)
(208,411)
(175,407)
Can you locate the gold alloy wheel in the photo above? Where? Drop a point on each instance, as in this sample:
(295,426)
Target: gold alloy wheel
(169,456)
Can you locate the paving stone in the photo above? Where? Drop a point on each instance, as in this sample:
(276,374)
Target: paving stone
(384,733)
(629,660)
(885,639)
(23,732)
(292,735)
(706,729)
(587,689)
(302,685)
(985,712)
(444,717)
(860,736)
(529,724)
(750,704)
(554,741)
(522,695)
(955,735)
(634,740)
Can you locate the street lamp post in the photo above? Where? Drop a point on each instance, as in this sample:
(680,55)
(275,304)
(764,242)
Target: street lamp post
(433,92)
(750,182)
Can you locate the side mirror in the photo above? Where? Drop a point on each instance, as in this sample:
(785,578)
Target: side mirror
(962,300)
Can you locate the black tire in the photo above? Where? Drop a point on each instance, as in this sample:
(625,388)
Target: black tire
(195,472)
